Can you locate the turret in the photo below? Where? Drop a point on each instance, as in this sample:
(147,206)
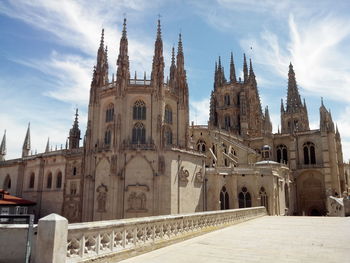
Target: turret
(123,72)
(326,122)
(251,73)
(157,75)
(74,134)
(3,148)
(26,144)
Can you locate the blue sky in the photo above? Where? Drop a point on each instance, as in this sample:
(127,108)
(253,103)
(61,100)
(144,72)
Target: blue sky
(48,50)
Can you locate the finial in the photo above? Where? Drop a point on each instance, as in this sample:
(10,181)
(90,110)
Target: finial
(124,28)
(102,38)
(179,48)
(173,56)
(159,31)
(322,101)
(231,61)
(219,66)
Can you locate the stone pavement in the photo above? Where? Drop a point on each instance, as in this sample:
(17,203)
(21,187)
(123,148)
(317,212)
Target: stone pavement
(266,239)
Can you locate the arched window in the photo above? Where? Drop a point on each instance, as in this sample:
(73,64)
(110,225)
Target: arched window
(227,123)
(139,134)
(108,137)
(224,199)
(110,113)
(31,180)
(49,180)
(7,182)
(168,115)
(309,153)
(227,100)
(282,154)
(263,198)
(201,146)
(59,180)
(233,152)
(168,136)
(74,171)
(244,199)
(265,152)
(139,110)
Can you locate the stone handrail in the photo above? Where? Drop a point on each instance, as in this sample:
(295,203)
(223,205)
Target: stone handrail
(93,240)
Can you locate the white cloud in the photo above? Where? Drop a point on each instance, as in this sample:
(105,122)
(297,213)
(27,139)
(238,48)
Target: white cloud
(199,111)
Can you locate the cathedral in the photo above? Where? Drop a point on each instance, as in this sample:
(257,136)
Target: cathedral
(140,156)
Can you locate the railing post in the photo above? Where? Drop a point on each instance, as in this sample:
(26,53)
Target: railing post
(51,243)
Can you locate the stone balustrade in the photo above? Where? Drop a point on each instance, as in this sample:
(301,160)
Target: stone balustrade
(93,240)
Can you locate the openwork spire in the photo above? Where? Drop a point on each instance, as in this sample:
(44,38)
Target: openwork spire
(293,96)
(157,75)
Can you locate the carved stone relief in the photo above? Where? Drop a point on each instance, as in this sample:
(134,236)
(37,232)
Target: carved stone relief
(101,198)
(183,174)
(137,202)
(199,176)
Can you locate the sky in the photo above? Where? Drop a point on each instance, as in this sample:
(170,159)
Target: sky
(48,50)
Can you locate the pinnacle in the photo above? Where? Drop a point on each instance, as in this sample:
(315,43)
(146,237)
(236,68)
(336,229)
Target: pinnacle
(179,49)
(159,31)
(124,28)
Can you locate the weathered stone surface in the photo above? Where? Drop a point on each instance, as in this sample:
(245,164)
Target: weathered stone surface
(266,239)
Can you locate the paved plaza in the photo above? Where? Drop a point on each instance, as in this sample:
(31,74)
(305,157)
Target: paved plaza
(266,239)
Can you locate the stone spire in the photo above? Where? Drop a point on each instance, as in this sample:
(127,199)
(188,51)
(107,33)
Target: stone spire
(181,75)
(157,75)
(326,121)
(26,144)
(232,70)
(293,96)
(251,71)
(47,148)
(245,69)
(220,75)
(172,81)
(100,71)
(294,117)
(123,73)
(3,147)
(74,133)
(282,106)
(267,121)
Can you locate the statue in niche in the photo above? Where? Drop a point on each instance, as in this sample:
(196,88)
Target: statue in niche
(101,198)
(137,202)
(183,174)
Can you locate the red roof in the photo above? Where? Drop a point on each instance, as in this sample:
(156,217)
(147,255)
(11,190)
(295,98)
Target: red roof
(13,200)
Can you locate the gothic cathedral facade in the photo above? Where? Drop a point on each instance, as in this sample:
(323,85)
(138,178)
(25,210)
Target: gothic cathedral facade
(141,157)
